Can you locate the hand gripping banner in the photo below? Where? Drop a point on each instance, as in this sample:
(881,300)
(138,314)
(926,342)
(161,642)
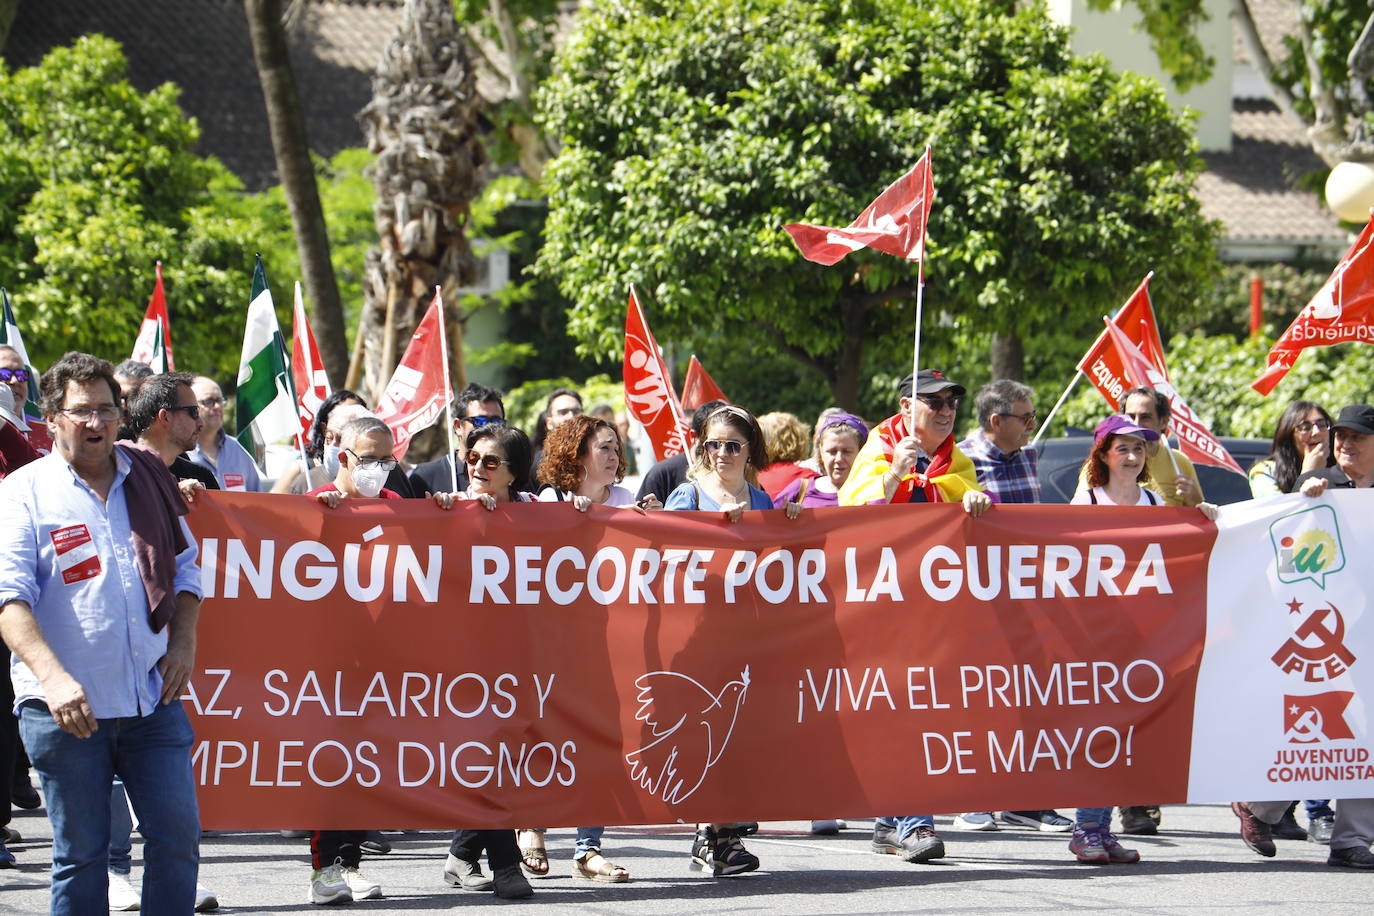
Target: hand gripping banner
(389,663)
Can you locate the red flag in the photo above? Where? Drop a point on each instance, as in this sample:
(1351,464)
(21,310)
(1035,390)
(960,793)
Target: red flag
(1317,717)
(1341,311)
(1194,438)
(307,368)
(1102,364)
(154,343)
(419,388)
(649,394)
(894,223)
(698,387)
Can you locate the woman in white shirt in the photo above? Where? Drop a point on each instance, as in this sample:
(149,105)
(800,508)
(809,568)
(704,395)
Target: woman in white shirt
(584,462)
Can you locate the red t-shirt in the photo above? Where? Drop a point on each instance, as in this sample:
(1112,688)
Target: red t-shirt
(330,488)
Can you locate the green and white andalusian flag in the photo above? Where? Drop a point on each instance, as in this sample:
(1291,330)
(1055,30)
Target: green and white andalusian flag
(10,337)
(266,404)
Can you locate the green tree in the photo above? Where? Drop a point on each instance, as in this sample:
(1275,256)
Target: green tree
(97,182)
(684,149)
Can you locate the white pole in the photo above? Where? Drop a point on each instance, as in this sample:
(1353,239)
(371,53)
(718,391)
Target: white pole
(916,354)
(448,389)
(1045,423)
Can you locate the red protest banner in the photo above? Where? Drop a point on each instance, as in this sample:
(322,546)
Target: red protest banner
(1104,365)
(390,663)
(419,388)
(1340,312)
(894,223)
(649,395)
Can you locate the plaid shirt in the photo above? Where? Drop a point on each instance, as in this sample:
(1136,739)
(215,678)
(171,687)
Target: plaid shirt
(1010,478)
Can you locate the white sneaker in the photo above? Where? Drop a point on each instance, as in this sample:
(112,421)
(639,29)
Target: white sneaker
(327,885)
(124,897)
(978,820)
(205,899)
(361,887)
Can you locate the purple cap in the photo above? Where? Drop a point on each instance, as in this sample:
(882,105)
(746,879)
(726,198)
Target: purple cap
(1117,425)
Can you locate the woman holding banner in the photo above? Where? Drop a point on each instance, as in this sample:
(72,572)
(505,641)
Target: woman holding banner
(1302,443)
(724,466)
(838,440)
(498,460)
(1112,474)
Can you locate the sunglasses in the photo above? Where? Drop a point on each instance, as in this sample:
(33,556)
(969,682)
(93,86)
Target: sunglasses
(14,375)
(729,446)
(1306,426)
(490,462)
(481,422)
(367,464)
(939,404)
(192,409)
(1027,418)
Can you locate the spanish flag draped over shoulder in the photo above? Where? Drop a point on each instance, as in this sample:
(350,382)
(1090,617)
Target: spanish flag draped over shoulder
(949,476)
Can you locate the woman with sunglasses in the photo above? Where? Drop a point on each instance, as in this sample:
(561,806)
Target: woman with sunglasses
(498,460)
(1302,443)
(721,478)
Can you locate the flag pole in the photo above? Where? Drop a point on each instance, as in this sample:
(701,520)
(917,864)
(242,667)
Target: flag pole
(448,390)
(1045,424)
(295,401)
(916,353)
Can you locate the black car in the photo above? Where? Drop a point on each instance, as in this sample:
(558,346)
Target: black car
(1060,460)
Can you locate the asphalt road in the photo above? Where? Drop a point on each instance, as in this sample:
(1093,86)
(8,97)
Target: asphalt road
(1196,864)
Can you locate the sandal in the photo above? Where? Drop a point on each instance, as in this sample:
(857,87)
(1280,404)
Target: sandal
(534,858)
(595,867)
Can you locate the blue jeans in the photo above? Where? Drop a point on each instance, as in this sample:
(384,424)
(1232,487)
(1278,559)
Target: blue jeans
(152,755)
(588,840)
(1102,817)
(1318,807)
(121,830)
(906,824)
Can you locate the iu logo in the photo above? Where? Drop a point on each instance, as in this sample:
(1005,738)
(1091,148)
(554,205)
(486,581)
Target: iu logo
(1307,545)
(1320,717)
(1317,648)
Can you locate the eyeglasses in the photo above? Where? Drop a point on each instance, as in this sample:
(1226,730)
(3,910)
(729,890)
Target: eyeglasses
(481,422)
(490,462)
(367,464)
(84,414)
(211,403)
(1027,418)
(14,375)
(193,410)
(1306,426)
(729,446)
(939,404)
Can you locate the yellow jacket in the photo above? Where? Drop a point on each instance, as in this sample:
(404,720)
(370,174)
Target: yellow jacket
(865,482)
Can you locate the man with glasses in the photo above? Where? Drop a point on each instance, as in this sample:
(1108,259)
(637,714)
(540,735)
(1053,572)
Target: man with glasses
(477,406)
(164,415)
(911,458)
(14,373)
(99,597)
(216,450)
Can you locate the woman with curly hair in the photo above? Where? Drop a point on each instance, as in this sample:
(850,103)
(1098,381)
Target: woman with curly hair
(788,441)
(1302,443)
(584,462)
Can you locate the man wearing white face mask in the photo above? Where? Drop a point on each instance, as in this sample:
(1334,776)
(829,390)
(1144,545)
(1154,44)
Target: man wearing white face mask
(364,461)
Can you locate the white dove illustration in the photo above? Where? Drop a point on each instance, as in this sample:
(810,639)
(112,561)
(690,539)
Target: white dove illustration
(690,728)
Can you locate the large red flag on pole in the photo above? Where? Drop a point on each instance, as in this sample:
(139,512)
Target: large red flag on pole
(419,389)
(698,387)
(1341,311)
(1104,365)
(895,222)
(1194,438)
(649,392)
(154,343)
(307,367)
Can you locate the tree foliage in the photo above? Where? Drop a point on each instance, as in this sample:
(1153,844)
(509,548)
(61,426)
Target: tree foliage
(97,182)
(685,149)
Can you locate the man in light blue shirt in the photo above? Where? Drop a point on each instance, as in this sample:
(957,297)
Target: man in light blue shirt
(99,596)
(217,451)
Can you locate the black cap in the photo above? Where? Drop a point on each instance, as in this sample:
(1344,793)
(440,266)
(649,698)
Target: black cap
(1359,417)
(931,381)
